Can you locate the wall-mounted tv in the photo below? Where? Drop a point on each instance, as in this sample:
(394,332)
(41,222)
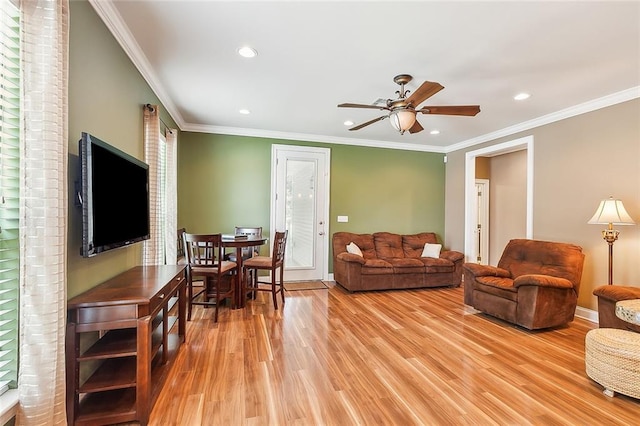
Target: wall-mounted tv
(114,197)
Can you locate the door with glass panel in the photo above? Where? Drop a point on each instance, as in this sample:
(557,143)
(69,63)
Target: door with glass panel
(300,183)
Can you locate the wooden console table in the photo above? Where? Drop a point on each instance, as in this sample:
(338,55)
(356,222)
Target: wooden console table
(129,325)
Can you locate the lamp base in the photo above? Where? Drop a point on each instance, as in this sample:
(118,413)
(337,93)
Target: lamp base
(610,236)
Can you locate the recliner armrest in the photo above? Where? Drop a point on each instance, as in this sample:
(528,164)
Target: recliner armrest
(486,270)
(350,257)
(542,281)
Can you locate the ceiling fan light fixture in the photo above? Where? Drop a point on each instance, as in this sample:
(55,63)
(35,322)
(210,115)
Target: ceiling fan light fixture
(402,119)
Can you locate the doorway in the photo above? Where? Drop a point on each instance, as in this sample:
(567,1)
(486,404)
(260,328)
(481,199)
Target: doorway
(300,204)
(471,199)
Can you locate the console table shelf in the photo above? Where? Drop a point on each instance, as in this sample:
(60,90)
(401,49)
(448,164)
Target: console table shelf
(137,320)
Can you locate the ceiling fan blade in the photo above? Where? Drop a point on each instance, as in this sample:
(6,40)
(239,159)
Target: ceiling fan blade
(425,91)
(469,110)
(375,120)
(348,105)
(416,128)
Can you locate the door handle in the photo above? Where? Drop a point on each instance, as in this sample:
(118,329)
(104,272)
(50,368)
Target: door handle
(320,233)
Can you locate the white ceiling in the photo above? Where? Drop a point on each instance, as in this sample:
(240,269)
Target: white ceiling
(571,56)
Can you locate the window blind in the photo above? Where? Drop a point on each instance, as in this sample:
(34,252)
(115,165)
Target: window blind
(9,191)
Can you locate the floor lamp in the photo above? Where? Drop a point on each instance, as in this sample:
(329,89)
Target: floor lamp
(611,212)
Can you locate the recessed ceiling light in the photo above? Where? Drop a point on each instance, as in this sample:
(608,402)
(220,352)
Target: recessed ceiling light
(247,52)
(348,123)
(521,96)
(244,111)
(435,132)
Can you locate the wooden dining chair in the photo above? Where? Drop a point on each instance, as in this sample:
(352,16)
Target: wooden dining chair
(270,263)
(247,252)
(205,258)
(180,257)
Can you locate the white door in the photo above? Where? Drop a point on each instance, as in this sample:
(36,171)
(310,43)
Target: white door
(482,233)
(300,182)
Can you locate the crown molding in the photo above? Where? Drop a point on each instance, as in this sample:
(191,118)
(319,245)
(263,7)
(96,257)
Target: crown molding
(112,19)
(270,134)
(605,101)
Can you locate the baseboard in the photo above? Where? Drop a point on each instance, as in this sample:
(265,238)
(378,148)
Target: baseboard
(330,278)
(588,314)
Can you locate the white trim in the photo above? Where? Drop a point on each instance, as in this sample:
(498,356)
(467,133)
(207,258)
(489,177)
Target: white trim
(120,31)
(271,134)
(484,223)
(605,101)
(588,314)
(114,22)
(326,152)
(470,200)
(8,405)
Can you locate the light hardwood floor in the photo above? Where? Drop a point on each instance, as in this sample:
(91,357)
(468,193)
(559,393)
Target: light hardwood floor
(413,357)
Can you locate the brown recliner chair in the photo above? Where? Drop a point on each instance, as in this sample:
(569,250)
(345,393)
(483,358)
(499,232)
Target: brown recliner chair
(608,295)
(535,284)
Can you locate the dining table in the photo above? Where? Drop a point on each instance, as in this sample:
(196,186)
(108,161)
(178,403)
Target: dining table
(239,242)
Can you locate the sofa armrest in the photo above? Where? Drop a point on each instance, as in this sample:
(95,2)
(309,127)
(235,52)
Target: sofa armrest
(350,257)
(451,255)
(616,293)
(486,270)
(542,281)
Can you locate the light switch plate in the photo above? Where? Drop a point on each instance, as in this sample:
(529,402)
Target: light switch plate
(343,218)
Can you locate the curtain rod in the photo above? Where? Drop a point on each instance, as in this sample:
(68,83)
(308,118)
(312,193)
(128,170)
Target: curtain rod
(166,127)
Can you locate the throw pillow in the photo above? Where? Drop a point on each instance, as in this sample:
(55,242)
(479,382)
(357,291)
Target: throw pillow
(431,250)
(354,249)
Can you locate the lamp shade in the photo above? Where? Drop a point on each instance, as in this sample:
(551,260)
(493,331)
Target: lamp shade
(611,211)
(402,119)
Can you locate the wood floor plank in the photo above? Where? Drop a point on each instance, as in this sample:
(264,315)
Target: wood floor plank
(409,357)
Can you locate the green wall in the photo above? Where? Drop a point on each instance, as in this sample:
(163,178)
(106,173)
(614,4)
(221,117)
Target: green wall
(379,189)
(106,95)
(224,181)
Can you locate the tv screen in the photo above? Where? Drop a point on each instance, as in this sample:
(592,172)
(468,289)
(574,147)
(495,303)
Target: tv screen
(114,196)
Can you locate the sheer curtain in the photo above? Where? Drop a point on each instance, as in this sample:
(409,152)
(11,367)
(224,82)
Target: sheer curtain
(153,252)
(43,212)
(161,155)
(171,191)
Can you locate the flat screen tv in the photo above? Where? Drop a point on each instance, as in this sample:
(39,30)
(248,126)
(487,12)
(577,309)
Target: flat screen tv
(114,197)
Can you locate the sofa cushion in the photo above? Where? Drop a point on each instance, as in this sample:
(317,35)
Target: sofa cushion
(437,264)
(388,245)
(376,267)
(431,250)
(414,244)
(407,266)
(354,249)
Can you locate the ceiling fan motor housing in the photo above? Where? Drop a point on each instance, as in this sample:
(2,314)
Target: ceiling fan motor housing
(402,110)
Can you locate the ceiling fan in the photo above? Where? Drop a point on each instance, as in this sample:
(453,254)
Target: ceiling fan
(402,111)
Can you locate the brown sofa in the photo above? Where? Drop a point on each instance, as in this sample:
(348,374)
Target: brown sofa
(393,261)
(608,295)
(535,284)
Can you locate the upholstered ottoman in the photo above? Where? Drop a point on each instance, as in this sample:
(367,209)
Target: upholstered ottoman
(612,358)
